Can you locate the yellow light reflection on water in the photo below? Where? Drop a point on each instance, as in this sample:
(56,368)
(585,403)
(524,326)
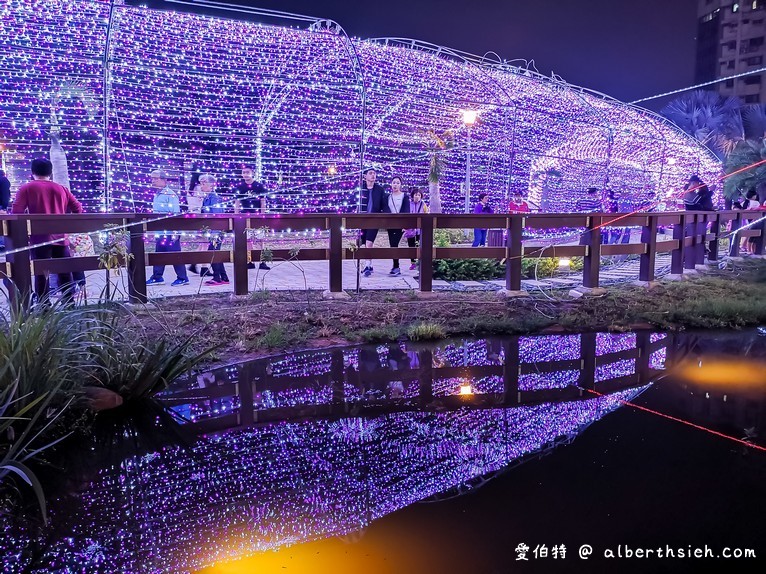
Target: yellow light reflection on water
(725,373)
(331,556)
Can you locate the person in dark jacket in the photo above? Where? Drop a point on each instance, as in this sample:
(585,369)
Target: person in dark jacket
(697,196)
(5,192)
(372,200)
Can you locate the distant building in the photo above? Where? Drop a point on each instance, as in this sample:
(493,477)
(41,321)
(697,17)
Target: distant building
(731,39)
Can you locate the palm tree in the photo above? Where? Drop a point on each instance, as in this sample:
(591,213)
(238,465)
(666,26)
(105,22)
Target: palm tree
(713,120)
(746,153)
(438,145)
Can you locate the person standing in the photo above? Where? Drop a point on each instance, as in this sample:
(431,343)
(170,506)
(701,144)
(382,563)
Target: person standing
(480,234)
(5,192)
(5,200)
(42,195)
(194,199)
(250,197)
(417,205)
(590,203)
(211,203)
(517,204)
(398,202)
(166,201)
(372,200)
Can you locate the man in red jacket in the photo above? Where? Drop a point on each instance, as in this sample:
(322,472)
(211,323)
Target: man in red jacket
(45,196)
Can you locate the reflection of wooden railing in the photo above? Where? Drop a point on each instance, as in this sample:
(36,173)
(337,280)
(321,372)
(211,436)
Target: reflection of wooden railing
(690,235)
(253,378)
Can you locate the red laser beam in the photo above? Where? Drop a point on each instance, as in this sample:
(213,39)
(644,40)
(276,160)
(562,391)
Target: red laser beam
(685,422)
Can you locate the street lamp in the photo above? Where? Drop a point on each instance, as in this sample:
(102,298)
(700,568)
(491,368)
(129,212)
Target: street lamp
(469,118)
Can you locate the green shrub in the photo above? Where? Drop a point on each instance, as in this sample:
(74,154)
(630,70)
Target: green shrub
(425,331)
(468,269)
(383,334)
(448,237)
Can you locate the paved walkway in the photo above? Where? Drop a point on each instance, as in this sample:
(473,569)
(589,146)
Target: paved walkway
(315,275)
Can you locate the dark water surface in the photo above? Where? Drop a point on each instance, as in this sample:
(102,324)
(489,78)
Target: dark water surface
(449,457)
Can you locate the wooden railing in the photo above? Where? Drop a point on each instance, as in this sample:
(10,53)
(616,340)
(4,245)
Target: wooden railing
(239,386)
(691,231)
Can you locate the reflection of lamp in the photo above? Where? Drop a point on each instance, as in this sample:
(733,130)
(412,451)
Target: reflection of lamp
(465,389)
(469,118)
(332,170)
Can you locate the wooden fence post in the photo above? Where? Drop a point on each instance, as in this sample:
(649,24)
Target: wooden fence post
(511,370)
(690,230)
(239,227)
(21,262)
(716,229)
(137,264)
(647,259)
(336,254)
(592,259)
(759,241)
(426,252)
(677,255)
(515,252)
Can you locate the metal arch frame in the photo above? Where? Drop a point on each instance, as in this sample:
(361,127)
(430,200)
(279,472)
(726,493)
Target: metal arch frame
(505,66)
(349,45)
(481,63)
(485,65)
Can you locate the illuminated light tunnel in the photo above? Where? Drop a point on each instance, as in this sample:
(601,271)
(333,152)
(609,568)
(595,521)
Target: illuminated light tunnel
(127,89)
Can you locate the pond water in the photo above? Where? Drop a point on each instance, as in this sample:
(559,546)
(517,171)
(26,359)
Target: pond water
(447,457)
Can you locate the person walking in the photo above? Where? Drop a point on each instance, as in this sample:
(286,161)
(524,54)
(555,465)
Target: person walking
(480,234)
(417,205)
(398,202)
(42,195)
(166,201)
(250,197)
(211,203)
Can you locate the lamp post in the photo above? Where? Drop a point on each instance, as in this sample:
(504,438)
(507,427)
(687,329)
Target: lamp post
(469,118)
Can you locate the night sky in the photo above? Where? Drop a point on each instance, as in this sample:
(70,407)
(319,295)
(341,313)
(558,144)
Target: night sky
(627,49)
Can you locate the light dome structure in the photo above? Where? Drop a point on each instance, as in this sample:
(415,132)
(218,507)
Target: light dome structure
(128,89)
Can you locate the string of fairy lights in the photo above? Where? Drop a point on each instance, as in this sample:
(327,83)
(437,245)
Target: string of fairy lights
(188,92)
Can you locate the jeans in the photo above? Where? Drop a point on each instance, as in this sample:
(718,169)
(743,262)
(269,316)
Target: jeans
(42,285)
(168,244)
(479,238)
(219,271)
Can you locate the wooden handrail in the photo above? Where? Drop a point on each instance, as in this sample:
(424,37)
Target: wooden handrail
(691,232)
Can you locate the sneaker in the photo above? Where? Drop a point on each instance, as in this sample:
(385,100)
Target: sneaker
(264,266)
(205,272)
(224,281)
(155,280)
(193,268)
(367,271)
(178,282)
(213,282)
(251,265)
(413,266)
(395,272)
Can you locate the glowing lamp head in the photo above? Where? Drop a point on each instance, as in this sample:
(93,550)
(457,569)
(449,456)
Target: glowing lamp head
(466,390)
(469,117)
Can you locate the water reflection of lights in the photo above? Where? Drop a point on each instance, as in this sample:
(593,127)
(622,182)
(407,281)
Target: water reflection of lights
(723,372)
(251,489)
(263,488)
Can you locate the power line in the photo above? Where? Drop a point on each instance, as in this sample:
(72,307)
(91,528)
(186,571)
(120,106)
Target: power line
(743,74)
